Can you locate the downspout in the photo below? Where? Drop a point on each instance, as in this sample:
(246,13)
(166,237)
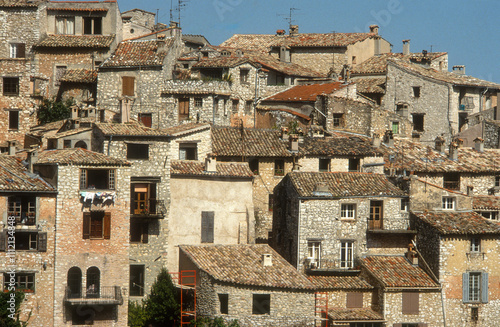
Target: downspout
(449,108)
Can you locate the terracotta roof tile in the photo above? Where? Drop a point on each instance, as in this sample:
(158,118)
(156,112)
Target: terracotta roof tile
(238,142)
(307,92)
(78,156)
(378,64)
(224,169)
(138,53)
(15,177)
(79,9)
(242,264)
(70,132)
(76,41)
(370,85)
(184,129)
(459,223)
(486,202)
(360,314)
(19,3)
(339,144)
(340,282)
(80,76)
(342,185)
(397,271)
(129,129)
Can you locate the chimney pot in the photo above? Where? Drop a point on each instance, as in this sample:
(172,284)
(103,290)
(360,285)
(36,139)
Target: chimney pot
(389,138)
(294,143)
(453,155)
(294,30)
(459,69)
(32,157)
(439,144)
(406,47)
(12,148)
(376,140)
(210,163)
(374,29)
(479,144)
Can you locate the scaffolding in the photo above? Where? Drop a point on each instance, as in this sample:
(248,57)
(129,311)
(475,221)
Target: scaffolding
(185,280)
(321,309)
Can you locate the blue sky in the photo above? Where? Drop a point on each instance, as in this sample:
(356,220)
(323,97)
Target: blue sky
(467,30)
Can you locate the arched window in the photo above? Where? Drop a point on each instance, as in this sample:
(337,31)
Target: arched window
(75,282)
(81,144)
(93,282)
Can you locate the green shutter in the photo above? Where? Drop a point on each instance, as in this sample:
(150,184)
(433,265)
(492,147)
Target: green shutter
(465,287)
(484,287)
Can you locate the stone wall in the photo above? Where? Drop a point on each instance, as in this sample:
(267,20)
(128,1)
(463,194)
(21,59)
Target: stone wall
(311,163)
(424,196)
(430,309)
(491,136)
(18,25)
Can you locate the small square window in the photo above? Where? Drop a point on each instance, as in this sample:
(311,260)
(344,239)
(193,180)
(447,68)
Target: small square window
(347,211)
(324,165)
(244,73)
(254,166)
(338,120)
(11,86)
(138,151)
(92,25)
(96,225)
(17,50)
(146,119)
(405,204)
(138,231)
(279,167)
(24,282)
(188,151)
(475,245)
(198,103)
(410,303)
(416,91)
(354,164)
(261,304)
(354,300)
(65,25)
(448,203)
(234,106)
(418,122)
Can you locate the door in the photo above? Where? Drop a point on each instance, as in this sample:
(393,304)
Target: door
(376,215)
(183,108)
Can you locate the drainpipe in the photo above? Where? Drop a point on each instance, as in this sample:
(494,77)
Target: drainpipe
(450,90)
(215,103)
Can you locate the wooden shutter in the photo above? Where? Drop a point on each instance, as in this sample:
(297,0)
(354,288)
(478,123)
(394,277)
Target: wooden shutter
(465,287)
(145,232)
(42,242)
(484,287)
(397,325)
(128,85)
(354,300)
(107,225)
(146,119)
(3,241)
(21,50)
(183,108)
(86,225)
(207,226)
(410,303)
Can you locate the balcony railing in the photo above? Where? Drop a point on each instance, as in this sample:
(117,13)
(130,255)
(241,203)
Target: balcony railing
(23,218)
(104,295)
(389,225)
(154,208)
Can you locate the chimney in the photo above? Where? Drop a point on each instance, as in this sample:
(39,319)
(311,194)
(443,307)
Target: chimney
(284,133)
(32,157)
(12,148)
(412,255)
(389,138)
(74,112)
(76,123)
(374,29)
(210,163)
(453,155)
(459,70)
(439,144)
(294,143)
(267,260)
(406,47)
(294,30)
(376,140)
(479,144)
(459,142)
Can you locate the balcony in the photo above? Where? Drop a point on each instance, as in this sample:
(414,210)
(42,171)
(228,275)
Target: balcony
(152,208)
(389,226)
(23,218)
(111,295)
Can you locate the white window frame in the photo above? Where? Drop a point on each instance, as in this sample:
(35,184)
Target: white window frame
(346,254)
(347,211)
(474,287)
(475,245)
(314,252)
(448,202)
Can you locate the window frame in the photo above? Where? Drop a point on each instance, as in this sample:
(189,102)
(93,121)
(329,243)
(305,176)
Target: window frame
(223,303)
(138,287)
(244,76)
(448,203)
(90,22)
(22,278)
(475,245)
(478,282)
(207,227)
(348,211)
(138,151)
(395,127)
(188,151)
(418,121)
(128,86)
(96,219)
(405,205)
(17,50)
(417,91)
(65,20)
(146,118)
(324,164)
(338,120)
(346,254)
(279,167)
(259,302)
(314,251)
(139,232)
(198,103)
(410,303)
(84,179)
(10,85)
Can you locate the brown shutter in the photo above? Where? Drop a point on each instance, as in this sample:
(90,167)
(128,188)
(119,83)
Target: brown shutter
(397,325)
(354,300)
(145,232)
(21,50)
(410,303)
(3,241)
(86,225)
(42,242)
(107,225)
(128,85)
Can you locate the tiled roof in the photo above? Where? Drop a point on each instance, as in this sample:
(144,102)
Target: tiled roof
(78,156)
(418,157)
(339,144)
(442,76)
(486,202)
(76,41)
(42,129)
(70,132)
(397,271)
(79,9)
(138,53)
(261,42)
(459,223)
(128,129)
(359,314)
(224,169)
(370,85)
(378,64)
(238,142)
(184,129)
(18,3)
(15,177)
(342,185)
(308,92)
(80,76)
(283,108)
(340,282)
(242,264)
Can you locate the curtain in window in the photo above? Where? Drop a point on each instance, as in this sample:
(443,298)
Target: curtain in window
(70,26)
(60,26)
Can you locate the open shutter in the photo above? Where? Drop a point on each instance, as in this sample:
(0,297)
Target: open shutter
(484,287)
(3,241)
(42,242)
(86,225)
(465,287)
(21,50)
(107,225)
(145,232)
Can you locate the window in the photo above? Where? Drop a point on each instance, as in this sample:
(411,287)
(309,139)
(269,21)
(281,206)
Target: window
(354,300)
(207,227)
(353,60)
(410,303)
(138,231)
(92,25)
(13,120)
(75,282)
(67,144)
(65,25)
(346,254)
(451,181)
(324,164)
(136,280)
(224,303)
(24,282)
(402,109)
(376,214)
(234,106)
(493,215)
(279,167)
(17,50)
(474,313)
(244,73)
(418,122)
(183,108)
(97,225)
(405,204)
(23,208)
(261,304)
(128,86)
(31,241)
(395,127)
(314,254)
(475,244)
(248,106)
(448,203)
(225,107)
(347,211)
(254,166)
(354,165)
(338,120)
(93,289)
(270,202)
(101,179)
(497,181)
(475,287)
(137,151)
(146,119)
(11,86)
(198,103)
(144,201)
(416,91)
(188,151)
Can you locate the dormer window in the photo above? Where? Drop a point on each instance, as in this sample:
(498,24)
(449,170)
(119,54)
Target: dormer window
(65,25)
(92,25)
(448,203)
(225,53)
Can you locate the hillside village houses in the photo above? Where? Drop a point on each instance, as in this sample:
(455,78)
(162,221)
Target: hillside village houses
(312,179)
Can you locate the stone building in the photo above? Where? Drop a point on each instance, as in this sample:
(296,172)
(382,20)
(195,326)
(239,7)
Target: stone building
(462,251)
(137,22)
(190,141)
(257,287)
(91,250)
(328,220)
(28,213)
(211,202)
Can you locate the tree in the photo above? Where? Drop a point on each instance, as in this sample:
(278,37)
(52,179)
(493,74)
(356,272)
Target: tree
(216,322)
(136,314)
(51,110)
(9,317)
(162,306)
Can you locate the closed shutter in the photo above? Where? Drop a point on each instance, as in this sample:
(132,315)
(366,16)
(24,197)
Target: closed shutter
(86,225)
(21,50)
(145,232)
(3,241)
(128,85)
(42,242)
(183,108)
(410,303)
(146,119)
(207,226)
(465,287)
(397,325)
(354,300)
(484,287)
(107,225)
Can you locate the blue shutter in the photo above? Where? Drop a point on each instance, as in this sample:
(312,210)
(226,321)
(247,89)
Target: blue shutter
(465,287)
(484,287)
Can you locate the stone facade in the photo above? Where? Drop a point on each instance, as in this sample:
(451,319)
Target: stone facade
(136,22)
(430,308)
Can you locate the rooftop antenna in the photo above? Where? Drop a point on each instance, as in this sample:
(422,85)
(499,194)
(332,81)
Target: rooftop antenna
(157,15)
(171,10)
(431,48)
(181,4)
(289,17)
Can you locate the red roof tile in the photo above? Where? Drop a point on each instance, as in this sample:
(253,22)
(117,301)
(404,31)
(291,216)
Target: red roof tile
(305,92)
(80,76)
(378,64)
(339,144)
(370,85)
(224,169)
(184,129)
(78,156)
(19,3)
(15,177)
(486,202)
(129,129)
(361,314)
(138,53)
(340,282)
(459,223)
(76,41)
